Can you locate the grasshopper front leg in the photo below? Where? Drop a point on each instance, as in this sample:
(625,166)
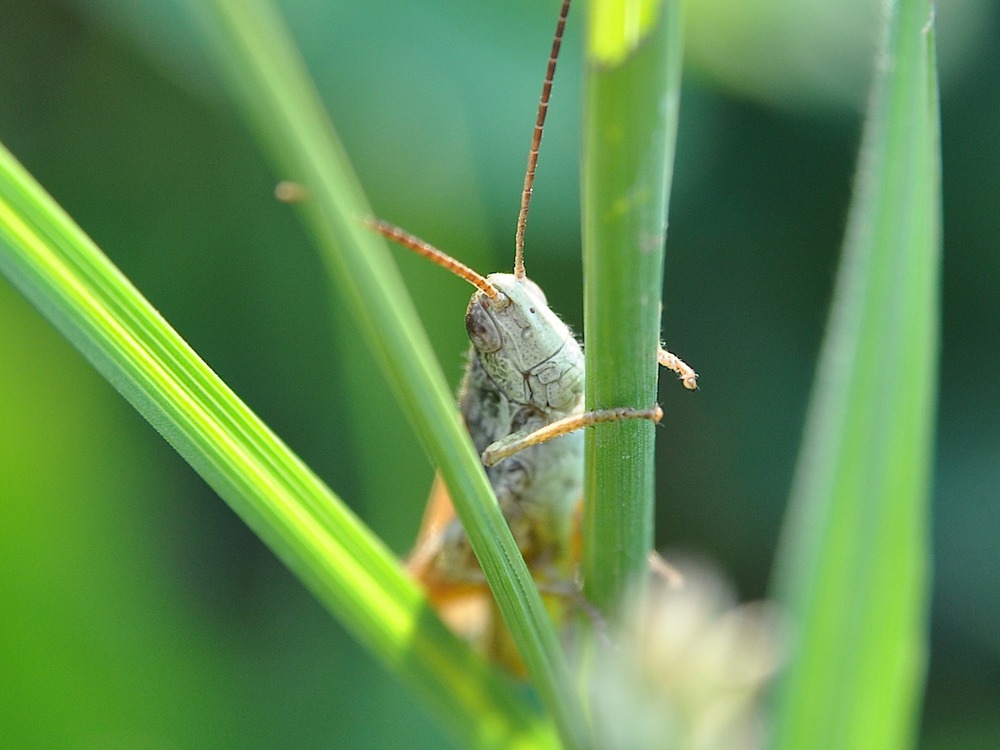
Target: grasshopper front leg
(518,441)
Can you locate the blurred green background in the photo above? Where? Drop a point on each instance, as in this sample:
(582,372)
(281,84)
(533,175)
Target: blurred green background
(137,611)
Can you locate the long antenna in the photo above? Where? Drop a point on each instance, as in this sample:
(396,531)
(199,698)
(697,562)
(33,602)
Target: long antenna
(536,140)
(417,245)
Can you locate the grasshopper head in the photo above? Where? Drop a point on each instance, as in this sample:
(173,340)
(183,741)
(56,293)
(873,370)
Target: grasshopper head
(528,352)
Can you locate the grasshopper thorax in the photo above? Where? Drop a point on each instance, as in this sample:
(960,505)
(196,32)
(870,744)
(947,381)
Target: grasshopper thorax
(526,350)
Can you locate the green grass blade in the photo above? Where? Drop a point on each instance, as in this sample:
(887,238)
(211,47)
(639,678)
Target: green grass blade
(853,564)
(272,86)
(632,97)
(66,276)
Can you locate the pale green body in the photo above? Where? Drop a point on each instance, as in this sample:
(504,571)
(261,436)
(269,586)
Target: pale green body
(525,370)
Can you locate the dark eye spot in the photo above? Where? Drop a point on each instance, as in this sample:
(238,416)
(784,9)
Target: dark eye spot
(531,310)
(481,329)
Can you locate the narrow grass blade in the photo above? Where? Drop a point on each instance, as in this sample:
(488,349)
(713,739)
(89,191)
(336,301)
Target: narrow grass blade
(271,84)
(632,97)
(853,563)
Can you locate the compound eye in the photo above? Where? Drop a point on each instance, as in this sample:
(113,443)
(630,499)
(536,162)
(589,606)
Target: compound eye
(483,331)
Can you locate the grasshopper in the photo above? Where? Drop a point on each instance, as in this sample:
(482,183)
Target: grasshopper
(522,400)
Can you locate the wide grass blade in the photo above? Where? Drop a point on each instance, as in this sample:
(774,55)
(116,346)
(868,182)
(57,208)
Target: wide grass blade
(271,84)
(76,287)
(853,564)
(630,130)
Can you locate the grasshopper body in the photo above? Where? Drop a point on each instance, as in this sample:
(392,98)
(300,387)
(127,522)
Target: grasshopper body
(525,371)
(522,399)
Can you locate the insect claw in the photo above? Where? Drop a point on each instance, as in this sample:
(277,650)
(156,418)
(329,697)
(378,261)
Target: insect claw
(684,371)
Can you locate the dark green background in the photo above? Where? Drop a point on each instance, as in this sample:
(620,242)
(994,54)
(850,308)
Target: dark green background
(137,611)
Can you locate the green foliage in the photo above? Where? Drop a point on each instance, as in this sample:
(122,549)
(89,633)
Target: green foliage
(632,97)
(853,567)
(854,555)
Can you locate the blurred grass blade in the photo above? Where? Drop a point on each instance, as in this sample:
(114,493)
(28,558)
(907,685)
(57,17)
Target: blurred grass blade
(271,84)
(77,288)
(853,564)
(630,124)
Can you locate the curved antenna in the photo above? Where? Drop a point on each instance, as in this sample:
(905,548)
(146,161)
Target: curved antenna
(536,140)
(417,245)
